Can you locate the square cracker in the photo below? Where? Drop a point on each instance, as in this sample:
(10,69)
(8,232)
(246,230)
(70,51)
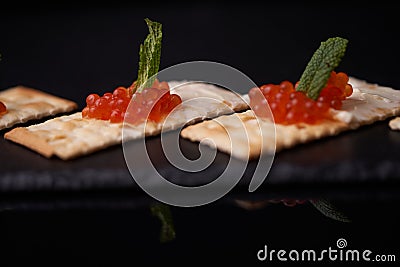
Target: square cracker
(246,136)
(24,104)
(71,136)
(394,124)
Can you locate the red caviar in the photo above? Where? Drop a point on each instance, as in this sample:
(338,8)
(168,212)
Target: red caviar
(3,108)
(153,103)
(289,106)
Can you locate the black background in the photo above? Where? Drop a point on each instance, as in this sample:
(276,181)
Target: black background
(72,49)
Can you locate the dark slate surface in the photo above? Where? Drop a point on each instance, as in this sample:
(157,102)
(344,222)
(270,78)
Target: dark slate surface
(368,156)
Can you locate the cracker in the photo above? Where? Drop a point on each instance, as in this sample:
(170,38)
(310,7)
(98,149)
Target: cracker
(369,103)
(72,136)
(24,104)
(394,124)
(67,136)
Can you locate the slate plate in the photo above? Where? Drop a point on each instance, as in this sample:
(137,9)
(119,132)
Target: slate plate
(368,156)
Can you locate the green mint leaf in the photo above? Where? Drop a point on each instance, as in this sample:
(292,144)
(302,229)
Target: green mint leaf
(325,59)
(149,53)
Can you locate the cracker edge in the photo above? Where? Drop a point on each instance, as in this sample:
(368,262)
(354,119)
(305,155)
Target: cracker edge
(25,138)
